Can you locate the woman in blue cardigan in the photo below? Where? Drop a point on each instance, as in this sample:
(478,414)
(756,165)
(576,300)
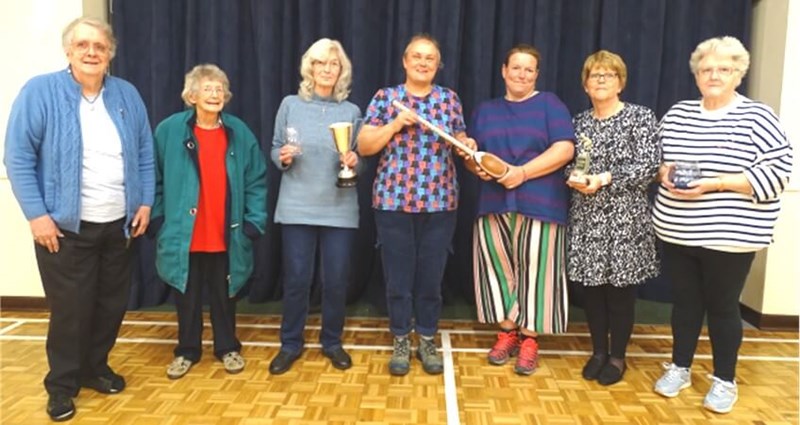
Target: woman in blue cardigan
(79,156)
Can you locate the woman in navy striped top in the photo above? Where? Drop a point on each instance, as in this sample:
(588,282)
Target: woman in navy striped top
(713,224)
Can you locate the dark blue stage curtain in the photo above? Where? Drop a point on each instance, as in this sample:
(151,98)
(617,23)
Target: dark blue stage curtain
(259,44)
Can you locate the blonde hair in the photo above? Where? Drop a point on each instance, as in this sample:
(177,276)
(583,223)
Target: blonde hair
(724,46)
(69,33)
(609,60)
(206,71)
(319,51)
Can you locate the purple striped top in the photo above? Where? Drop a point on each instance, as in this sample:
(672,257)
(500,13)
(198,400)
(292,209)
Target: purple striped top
(518,132)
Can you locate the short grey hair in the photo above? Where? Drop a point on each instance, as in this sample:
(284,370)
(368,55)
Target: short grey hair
(206,71)
(103,26)
(319,51)
(723,46)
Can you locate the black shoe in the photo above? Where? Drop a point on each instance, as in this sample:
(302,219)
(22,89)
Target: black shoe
(60,407)
(282,362)
(110,383)
(593,367)
(610,374)
(339,358)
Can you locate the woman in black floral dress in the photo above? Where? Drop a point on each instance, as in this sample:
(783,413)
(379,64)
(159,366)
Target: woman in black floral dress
(611,240)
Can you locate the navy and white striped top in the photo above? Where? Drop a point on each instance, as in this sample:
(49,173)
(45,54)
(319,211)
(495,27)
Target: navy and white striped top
(743,137)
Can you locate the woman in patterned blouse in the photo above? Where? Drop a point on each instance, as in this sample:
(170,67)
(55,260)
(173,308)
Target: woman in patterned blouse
(611,240)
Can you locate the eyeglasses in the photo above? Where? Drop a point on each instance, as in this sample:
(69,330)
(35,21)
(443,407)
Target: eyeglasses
(332,64)
(208,90)
(724,71)
(427,60)
(603,76)
(83,46)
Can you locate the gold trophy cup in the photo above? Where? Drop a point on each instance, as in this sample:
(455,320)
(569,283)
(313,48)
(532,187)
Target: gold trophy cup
(342,136)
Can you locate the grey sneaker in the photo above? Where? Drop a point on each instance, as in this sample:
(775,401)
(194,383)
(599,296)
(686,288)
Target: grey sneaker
(233,362)
(673,380)
(722,395)
(401,357)
(431,360)
(179,367)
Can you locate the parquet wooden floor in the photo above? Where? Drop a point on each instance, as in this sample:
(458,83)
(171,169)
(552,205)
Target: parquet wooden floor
(470,392)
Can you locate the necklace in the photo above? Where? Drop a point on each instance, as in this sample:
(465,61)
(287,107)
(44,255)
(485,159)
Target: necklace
(214,126)
(90,101)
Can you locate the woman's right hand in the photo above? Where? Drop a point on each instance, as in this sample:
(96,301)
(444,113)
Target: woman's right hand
(286,155)
(403,119)
(663,175)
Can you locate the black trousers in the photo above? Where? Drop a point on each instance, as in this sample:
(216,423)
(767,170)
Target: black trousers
(87,285)
(610,313)
(209,271)
(707,282)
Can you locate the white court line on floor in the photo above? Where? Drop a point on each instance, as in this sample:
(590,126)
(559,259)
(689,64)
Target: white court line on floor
(450,392)
(11,327)
(445,334)
(360,329)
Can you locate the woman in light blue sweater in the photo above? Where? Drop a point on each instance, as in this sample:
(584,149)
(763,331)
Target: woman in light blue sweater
(315,214)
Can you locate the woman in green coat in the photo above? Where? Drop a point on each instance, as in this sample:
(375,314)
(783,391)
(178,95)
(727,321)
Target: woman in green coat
(211,202)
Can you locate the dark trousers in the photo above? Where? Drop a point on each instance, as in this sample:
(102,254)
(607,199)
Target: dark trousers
(210,271)
(414,251)
(300,245)
(706,282)
(87,284)
(610,313)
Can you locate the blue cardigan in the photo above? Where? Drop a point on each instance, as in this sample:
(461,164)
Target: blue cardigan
(44,150)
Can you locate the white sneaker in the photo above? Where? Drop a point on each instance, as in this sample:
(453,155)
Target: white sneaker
(722,395)
(673,380)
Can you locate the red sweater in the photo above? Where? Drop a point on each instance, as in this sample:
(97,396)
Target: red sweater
(209,225)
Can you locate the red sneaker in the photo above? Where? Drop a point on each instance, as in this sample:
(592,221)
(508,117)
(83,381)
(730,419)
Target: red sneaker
(507,346)
(528,359)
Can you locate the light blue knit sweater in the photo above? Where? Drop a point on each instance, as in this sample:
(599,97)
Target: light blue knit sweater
(43,148)
(308,193)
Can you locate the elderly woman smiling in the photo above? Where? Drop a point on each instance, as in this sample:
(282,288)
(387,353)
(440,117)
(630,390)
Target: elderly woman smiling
(712,228)
(211,194)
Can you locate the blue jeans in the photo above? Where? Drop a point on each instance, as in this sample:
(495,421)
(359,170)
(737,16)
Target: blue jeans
(300,244)
(414,251)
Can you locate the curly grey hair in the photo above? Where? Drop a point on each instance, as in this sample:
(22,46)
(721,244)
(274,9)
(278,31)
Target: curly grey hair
(724,46)
(104,27)
(206,71)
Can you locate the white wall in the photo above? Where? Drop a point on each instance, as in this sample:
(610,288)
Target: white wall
(31,34)
(782,280)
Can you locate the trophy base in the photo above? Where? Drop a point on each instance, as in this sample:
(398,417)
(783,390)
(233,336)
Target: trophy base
(579,179)
(347,182)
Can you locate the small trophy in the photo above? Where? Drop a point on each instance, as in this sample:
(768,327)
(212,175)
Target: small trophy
(578,174)
(292,139)
(342,137)
(684,172)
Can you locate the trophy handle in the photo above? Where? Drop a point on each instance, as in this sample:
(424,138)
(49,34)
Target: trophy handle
(357,124)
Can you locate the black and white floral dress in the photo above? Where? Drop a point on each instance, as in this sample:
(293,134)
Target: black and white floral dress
(611,237)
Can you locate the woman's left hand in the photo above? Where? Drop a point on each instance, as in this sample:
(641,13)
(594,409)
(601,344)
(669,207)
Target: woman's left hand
(593,184)
(350,159)
(514,178)
(140,221)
